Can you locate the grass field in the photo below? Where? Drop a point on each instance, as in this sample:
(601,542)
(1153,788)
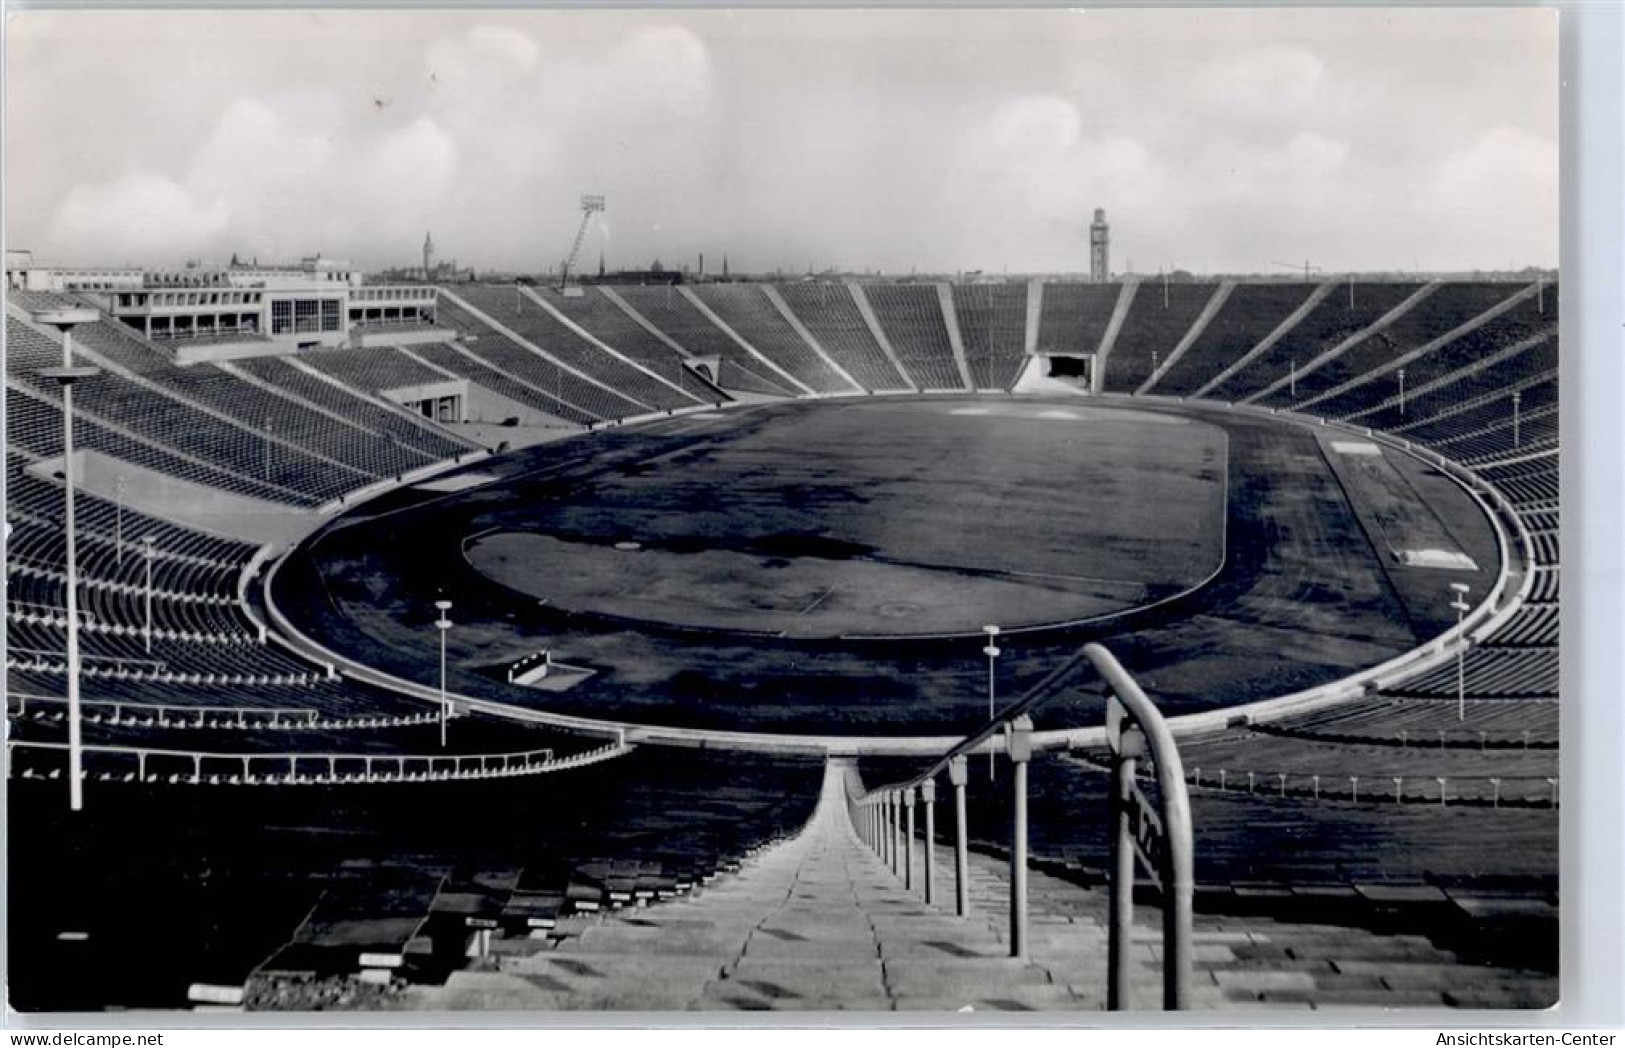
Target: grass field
(881,519)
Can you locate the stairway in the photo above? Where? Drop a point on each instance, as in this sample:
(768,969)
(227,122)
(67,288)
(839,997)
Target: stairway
(820,923)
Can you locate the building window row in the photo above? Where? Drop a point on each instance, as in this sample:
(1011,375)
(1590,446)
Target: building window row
(130,300)
(392,294)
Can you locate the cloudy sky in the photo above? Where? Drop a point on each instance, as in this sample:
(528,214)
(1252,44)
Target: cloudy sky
(1216,140)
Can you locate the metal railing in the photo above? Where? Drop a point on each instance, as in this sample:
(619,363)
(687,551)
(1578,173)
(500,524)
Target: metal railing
(1158,832)
(138,713)
(194,767)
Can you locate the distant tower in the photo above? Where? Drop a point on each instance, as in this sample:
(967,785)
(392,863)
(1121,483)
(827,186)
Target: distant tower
(1100,243)
(428,256)
(725,266)
(702,263)
(600,263)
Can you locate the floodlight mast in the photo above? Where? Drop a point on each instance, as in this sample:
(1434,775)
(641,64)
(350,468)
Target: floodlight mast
(591,204)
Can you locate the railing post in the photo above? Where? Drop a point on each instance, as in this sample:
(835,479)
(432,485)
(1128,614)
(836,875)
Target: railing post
(928,795)
(1020,746)
(880,827)
(1120,891)
(958,772)
(895,830)
(908,839)
(883,829)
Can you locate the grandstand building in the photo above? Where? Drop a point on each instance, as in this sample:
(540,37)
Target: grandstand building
(243,311)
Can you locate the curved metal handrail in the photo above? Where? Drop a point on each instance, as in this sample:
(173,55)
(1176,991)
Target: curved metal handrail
(1159,833)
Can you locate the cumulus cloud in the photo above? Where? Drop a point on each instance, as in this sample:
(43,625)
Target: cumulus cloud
(132,217)
(944,141)
(1501,189)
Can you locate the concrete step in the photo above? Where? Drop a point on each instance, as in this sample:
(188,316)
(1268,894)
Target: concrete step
(776,980)
(921,976)
(832,951)
(1002,999)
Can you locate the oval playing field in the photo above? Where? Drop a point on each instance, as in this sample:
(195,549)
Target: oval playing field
(883,519)
(828,566)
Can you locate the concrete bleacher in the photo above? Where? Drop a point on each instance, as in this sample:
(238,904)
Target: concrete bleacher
(432,444)
(1337,318)
(1157,320)
(1486,386)
(544,377)
(993,324)
(34,431)
(373,368)
(830,313)
(526,317)
(911,316)
(685,822)
(667,309)
(747,309)
(1520,325)
(603,319)
(1073,317)
(820,922)
(459,360)
(1391,721)
(1445,310)
(1249,315)
(1270,764)
(151,415)
(279,418)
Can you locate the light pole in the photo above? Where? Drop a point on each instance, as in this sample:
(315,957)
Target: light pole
(1459,589)
(992,653)
(267,449)
(118,520)
(65,320)
(147,542)
(444,624)
(1517,400)
(1402,391)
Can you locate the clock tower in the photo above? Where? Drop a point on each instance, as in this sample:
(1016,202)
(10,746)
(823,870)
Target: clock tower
(1100,237)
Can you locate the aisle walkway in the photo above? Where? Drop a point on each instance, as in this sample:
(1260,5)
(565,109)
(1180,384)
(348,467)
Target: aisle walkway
(819,922)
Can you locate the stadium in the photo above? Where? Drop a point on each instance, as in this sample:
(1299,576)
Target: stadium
(751,643)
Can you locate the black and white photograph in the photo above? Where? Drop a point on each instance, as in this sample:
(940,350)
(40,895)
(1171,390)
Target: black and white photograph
(666,511)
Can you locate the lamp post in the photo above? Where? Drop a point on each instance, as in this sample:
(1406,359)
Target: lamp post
(147,543)
(1402,391)
(1517,401)
(268,430)
(1459,602)
(992,653)
(65,320)
(443,624)
(118,521)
